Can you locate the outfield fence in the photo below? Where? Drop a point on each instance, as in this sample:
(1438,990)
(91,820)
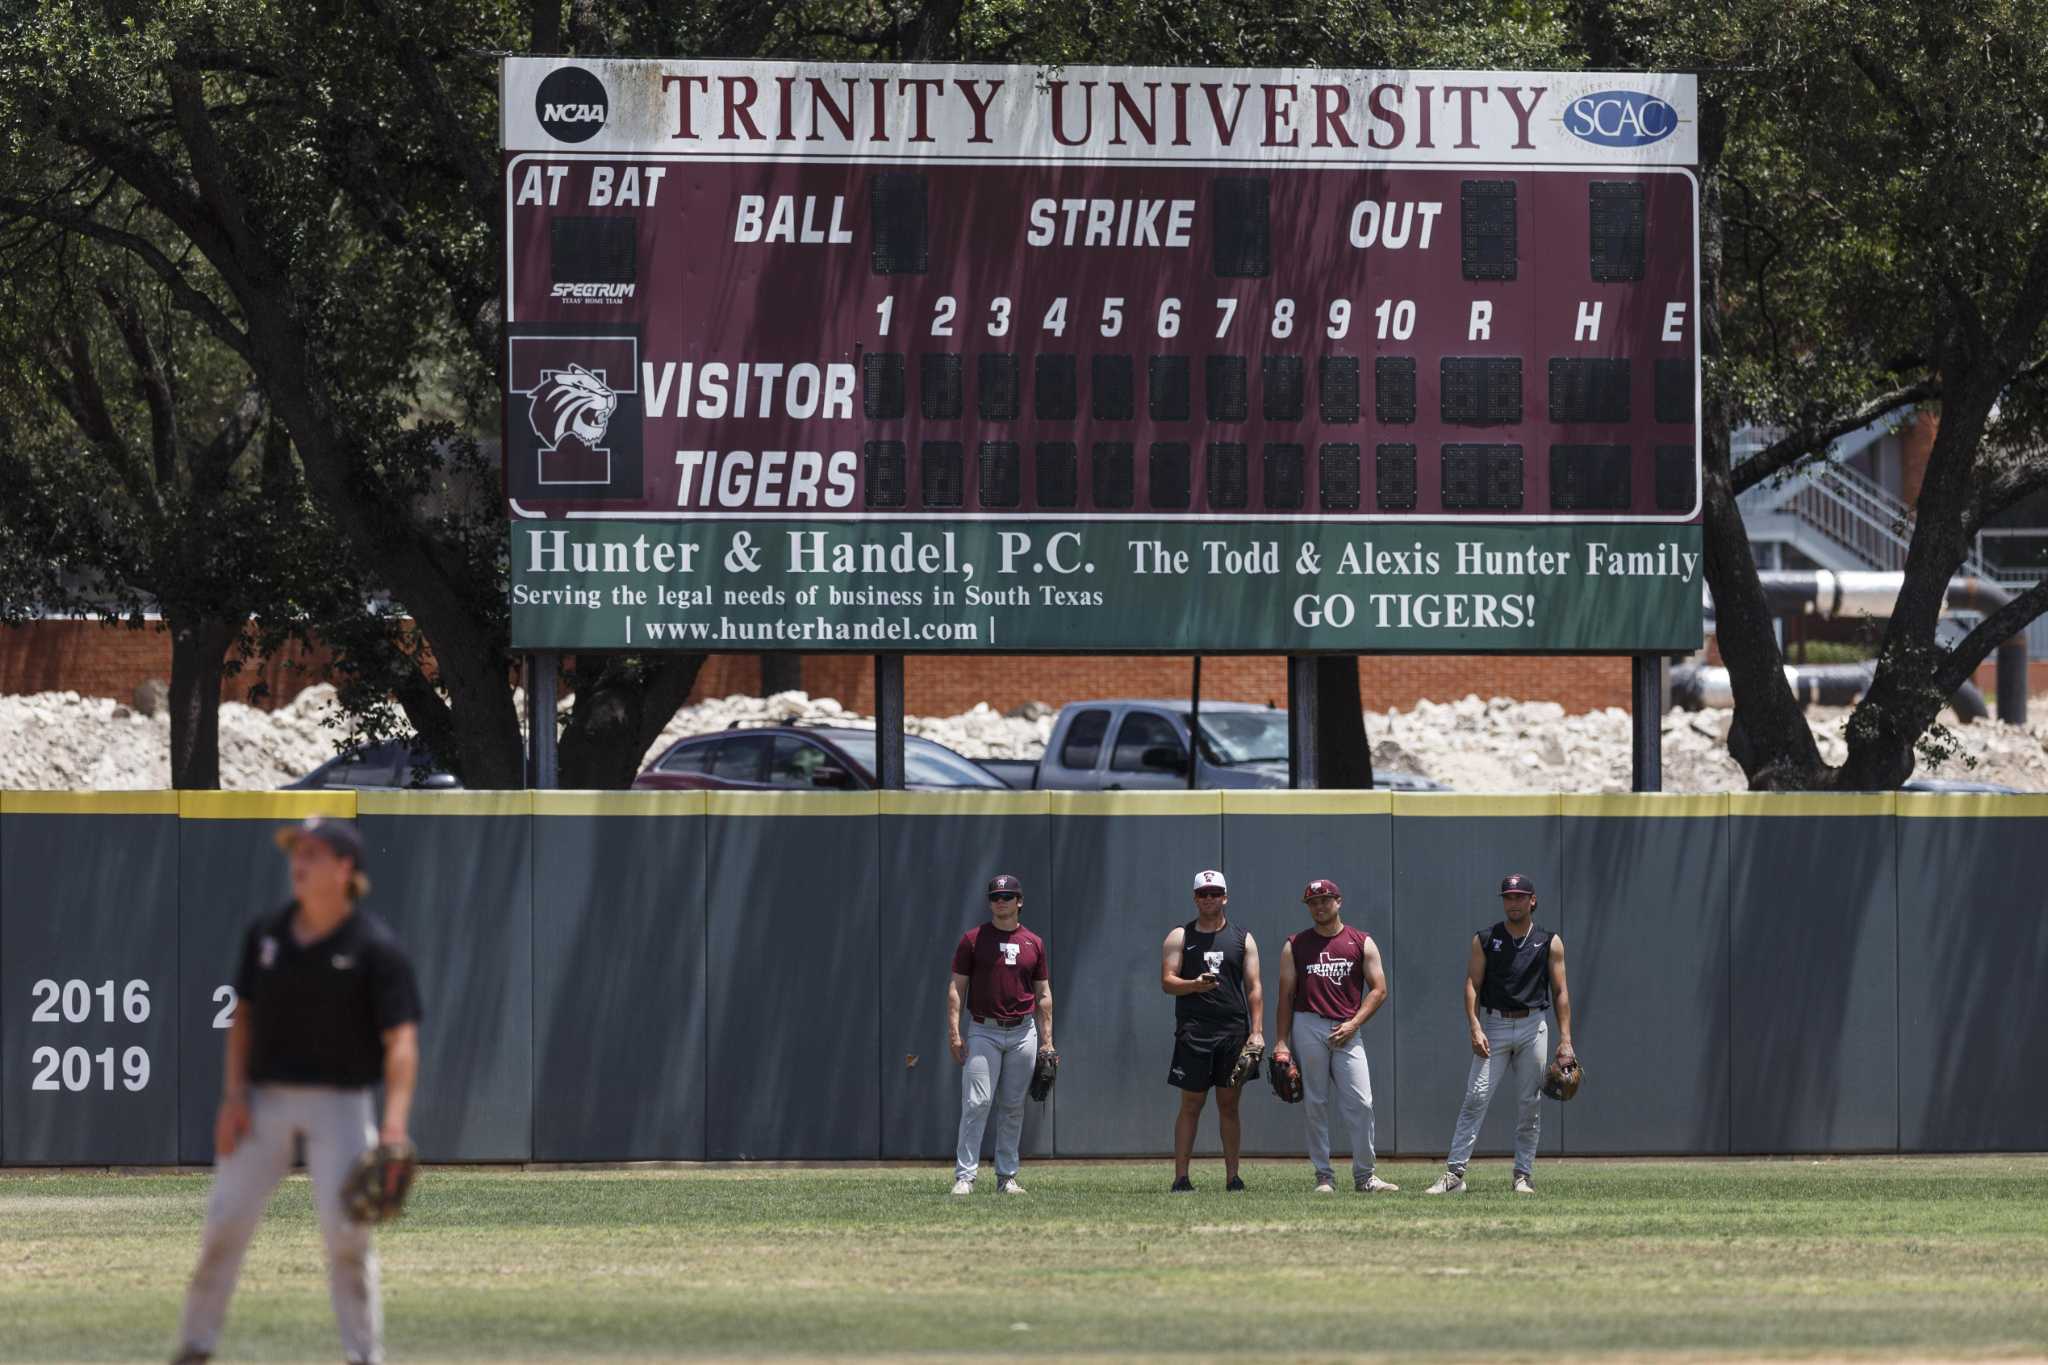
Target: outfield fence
(737,976)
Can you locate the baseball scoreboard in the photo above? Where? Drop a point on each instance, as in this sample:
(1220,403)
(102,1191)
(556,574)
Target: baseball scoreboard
(929,357)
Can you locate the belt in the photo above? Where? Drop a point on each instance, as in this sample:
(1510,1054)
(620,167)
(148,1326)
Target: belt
(1509,1014)
(993,1022)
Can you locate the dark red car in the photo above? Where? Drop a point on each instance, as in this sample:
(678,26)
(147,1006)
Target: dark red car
(806,758)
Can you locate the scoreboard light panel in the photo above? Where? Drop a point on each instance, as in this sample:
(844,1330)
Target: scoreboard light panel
(704,339)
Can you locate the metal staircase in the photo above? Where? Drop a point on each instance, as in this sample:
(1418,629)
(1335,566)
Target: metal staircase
(1843,521)
(1835,517)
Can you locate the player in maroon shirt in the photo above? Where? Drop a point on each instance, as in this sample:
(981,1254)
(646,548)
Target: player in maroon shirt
(1331,982)
(1002,975)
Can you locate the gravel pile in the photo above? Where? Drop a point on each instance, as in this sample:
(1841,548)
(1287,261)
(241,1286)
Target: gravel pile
(60,740)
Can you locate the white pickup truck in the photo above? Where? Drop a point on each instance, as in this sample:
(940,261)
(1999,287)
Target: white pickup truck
(1134,745)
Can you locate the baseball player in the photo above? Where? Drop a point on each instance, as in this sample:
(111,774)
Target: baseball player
(1211,969)
(1331,982)
(1001,973)
(327,1007)
(1514,973)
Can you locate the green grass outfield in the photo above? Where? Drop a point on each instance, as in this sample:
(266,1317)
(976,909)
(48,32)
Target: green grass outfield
(1878,1257)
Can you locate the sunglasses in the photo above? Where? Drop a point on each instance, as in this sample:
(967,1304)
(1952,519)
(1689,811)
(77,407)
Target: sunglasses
(1004,896)
(1206,892)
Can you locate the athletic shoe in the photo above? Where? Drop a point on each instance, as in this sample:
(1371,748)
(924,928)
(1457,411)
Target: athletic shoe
(1007,1184)
(1522,1185)
(1235,1185)
(1450,1182)
(1325,1187)
(963,1187)
(189,1357)
(1182,1185)
(1372,1184)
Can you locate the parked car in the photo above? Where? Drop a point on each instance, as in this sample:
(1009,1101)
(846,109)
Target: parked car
(806,758)
(392,764)
(1135,745)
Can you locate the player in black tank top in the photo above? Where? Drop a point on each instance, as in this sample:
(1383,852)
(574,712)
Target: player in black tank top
(1211,969)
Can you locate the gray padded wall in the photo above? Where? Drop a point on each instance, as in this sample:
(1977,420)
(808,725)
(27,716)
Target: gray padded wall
(1814,969)
(230,874)
(1973,947)
(1647,964)
(618,976)
(793,1006)
(86,924)
(1449,855)
(1274,844)
(1122,882)
(938,851)
(452,873)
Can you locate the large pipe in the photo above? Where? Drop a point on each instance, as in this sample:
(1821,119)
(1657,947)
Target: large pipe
(1699,687)
(1826,593)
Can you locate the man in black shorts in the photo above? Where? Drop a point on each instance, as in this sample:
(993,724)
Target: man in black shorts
(1211,969)
(326,1008)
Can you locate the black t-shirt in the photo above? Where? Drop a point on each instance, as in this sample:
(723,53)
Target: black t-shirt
(1225,1009)
(317,1013)
(1517,974)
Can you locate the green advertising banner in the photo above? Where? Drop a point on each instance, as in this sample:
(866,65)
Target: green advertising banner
(1073,587)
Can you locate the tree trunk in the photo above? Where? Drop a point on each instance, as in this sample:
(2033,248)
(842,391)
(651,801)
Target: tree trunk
(1343,755)
(199,651)
(781,673)
(621,706)
(1779,750)
(1903,699)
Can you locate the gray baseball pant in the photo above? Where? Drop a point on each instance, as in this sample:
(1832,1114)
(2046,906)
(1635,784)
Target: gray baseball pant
(1341,1071)
(1521,1051)
(339,1126)
(998,1075)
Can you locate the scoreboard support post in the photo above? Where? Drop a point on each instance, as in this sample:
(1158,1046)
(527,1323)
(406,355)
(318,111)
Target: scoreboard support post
(1301,721)
(542,668)
(889,722)
(1646,722)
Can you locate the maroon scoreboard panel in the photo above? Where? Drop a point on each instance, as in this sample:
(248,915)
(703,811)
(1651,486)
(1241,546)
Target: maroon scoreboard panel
(761,321)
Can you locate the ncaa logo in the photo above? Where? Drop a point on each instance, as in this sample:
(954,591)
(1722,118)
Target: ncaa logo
(1620,118)
(571,104)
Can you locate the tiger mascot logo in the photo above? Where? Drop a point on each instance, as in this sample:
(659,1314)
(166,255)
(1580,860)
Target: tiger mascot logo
(571,402)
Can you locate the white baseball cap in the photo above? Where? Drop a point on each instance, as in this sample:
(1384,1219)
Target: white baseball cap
(1211,878)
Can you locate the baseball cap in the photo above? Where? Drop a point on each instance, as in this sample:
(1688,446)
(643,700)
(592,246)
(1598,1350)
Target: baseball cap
(1210,880)
(1005,883)
(1517,884)
(338,835)
(1321,886)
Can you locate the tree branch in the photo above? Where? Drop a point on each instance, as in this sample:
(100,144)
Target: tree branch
(150,379)
(1788,450)
(466,152)
(1959,663)
(189,296)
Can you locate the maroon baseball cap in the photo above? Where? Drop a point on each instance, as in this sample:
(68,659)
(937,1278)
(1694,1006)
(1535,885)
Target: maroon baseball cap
(339,836)
(1321,886)
(1005,884)
(1517,885)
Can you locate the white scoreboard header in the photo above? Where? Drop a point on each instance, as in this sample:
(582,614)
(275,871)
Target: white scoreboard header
(859,111)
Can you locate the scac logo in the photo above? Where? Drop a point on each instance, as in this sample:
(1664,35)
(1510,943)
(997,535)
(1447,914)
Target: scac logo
(581,436)
(571,104)
(1620,118)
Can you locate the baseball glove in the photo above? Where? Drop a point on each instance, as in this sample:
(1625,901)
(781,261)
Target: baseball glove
(1286,1078)
(378,1183)
(1044,1073)
(1247,1067)
(1561,1079)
